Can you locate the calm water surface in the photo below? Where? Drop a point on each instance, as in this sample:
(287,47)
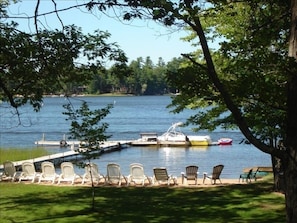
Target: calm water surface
(129,117)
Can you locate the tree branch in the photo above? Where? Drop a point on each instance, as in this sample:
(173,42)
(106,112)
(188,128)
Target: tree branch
(197,27)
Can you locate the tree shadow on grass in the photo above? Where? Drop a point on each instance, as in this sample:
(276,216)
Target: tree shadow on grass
(234,203)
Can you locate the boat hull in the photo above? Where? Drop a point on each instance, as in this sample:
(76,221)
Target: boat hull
(225,141)
(160,143)
(200,140)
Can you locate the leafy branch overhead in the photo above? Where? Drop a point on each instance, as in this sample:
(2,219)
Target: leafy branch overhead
(36,64)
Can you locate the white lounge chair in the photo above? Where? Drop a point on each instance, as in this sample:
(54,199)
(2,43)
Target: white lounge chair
(67,173)
(114,175)
(92,173)
(28,172)
(48,172)
(10,172)
(161,176)
(137,175)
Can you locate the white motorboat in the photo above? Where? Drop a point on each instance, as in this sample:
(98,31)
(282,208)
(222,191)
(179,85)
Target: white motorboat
(174,134)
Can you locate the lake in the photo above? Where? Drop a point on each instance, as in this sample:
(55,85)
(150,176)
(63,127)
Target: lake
(128,118)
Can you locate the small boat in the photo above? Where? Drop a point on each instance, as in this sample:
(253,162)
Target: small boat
(174,134)
(225,141)
(146,139)
(173,137)
(200,140)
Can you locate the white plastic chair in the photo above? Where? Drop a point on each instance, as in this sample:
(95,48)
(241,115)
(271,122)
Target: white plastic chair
(137,175)
(114,175)
(67,173)
(92,168)
(48,172)
(28,172)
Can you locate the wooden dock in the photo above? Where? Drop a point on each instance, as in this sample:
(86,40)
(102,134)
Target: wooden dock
(159,143)
(73,154)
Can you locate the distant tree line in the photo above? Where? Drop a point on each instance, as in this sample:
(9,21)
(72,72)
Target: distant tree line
(139,77)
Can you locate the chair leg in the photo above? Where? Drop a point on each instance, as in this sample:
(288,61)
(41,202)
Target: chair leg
(204,177)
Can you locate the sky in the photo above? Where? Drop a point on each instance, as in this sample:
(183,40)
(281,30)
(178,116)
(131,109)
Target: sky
(139,39)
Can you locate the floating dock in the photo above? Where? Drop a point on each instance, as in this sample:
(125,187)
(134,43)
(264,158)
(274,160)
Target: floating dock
(71,154)
(158,143)
(72,143)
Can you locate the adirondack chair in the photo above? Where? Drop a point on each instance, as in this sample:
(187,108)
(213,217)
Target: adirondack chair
(191,174)
(248,176)
(215,175)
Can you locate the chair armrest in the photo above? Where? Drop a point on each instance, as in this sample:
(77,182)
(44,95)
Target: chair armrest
(150,179)
(174,180)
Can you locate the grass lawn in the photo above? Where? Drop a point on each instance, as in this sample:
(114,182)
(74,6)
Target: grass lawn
(254,202)
(15,154)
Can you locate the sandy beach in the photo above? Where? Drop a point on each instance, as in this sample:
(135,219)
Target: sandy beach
(191,183)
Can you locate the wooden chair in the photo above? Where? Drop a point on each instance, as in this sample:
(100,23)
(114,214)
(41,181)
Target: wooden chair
(191,174)
(216,173)
(248,176)
(161,176)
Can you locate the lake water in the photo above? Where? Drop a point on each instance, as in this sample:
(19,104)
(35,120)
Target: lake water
(128,118)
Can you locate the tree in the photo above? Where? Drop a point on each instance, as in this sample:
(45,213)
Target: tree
(135,80)
(86,126)
(272,24)
(34,64)
(266,33)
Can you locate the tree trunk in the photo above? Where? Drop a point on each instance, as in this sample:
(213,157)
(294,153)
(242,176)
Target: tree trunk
(290,159)
(278,174)
(291,191)
(293,31)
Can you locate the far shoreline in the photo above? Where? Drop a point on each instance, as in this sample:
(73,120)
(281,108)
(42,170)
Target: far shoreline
(99,95)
